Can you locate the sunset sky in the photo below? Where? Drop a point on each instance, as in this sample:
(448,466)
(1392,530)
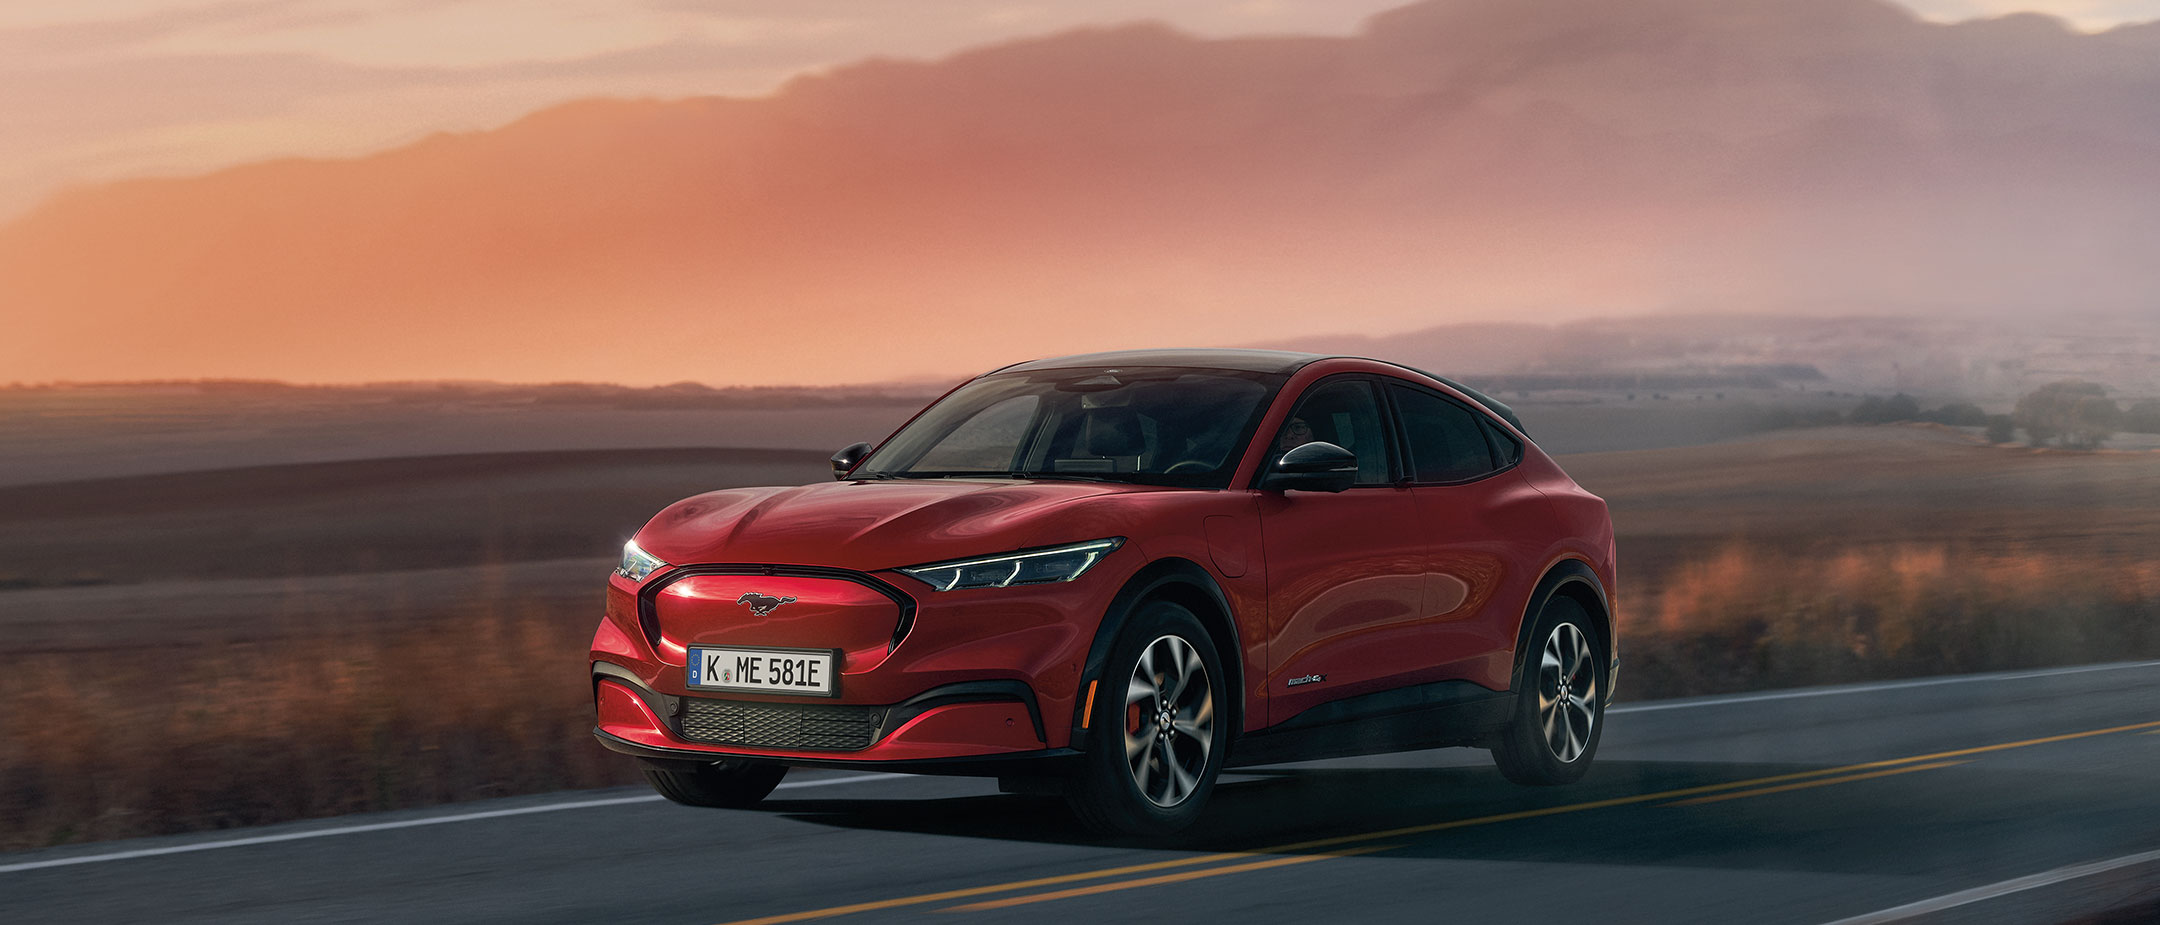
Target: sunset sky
(102,89)
(805,191)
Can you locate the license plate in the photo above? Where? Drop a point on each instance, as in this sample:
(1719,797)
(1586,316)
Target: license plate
(772,671)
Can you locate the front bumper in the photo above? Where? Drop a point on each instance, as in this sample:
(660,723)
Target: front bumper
(968,728)
(924,678)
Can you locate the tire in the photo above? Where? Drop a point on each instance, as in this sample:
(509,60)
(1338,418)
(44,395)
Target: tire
(1140,777)
(723,784)
(1565,647)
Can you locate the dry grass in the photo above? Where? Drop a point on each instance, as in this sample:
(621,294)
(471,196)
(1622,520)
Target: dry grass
(1750,617)
(496,702)
(147,742)
(1845,555)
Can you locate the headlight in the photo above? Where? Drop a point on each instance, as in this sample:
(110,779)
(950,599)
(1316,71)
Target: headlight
(1035,567)
(636,563)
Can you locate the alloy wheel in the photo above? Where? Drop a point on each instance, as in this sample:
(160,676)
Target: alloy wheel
(1567,692)
(1169,721)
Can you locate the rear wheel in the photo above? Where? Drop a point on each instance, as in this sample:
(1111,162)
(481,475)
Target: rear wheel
(1560,707)
(724,784)
(1159,732)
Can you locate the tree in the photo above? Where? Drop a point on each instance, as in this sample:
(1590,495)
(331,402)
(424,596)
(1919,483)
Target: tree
(2001,428)
(2143,417)
(1902,407)
(1899,407)
(2094,419)
(1957,414)
(2080,413)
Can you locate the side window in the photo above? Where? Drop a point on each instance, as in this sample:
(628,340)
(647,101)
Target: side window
(1507,450)
(1344,412)
(985,442)
(1447,443)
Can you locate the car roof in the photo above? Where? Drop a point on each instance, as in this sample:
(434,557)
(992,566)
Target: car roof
(1256,361)
(1253,361)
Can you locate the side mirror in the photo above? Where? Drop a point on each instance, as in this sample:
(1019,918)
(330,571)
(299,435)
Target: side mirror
(1315,466)
(844,461)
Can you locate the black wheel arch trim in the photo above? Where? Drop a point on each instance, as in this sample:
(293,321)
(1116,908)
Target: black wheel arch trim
(1145,585)
(1566,574)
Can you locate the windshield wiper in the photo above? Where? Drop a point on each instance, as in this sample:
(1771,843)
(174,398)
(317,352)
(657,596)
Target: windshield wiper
(943,474)
(1067,476)
(946,474)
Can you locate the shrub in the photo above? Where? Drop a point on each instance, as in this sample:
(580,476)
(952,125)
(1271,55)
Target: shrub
(1899,407)
(2078,412)
(2001,428)
(1957,414)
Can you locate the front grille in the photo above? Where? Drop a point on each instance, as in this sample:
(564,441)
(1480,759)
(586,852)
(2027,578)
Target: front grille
(780,725)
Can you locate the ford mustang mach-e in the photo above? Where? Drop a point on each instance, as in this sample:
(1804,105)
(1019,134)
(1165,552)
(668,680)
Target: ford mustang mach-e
(1111,576)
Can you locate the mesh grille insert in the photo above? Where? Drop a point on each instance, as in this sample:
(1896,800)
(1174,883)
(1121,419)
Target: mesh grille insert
(780,725)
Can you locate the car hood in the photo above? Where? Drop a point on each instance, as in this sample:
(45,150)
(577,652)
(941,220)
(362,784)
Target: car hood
(874,525)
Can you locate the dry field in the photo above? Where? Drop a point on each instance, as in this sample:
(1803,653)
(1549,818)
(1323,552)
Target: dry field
(1840,554)
(212,649)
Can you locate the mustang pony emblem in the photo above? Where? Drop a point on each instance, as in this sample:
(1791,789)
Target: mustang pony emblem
(762,604)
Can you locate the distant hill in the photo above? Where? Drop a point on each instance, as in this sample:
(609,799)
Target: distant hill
(1981,359)
(1458,160)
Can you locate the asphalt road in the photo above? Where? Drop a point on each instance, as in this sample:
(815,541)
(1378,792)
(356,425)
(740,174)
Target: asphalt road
(2028,797)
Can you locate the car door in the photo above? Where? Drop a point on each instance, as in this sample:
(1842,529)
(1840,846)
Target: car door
(1345,570)
(1477,519)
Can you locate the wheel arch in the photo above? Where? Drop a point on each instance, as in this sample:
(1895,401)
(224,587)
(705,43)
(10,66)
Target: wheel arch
(1185,583)
(1573,579)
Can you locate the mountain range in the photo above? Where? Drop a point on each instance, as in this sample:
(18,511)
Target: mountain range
(1455,160)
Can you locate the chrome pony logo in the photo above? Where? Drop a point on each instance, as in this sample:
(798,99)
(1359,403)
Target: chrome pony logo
(763,604)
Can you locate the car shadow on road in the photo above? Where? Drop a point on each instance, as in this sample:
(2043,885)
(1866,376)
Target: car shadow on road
(1622,813)
(1258,807)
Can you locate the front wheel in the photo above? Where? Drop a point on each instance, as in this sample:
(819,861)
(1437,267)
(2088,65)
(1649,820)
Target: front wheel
(1560,706)
(723,784)
(1159,733)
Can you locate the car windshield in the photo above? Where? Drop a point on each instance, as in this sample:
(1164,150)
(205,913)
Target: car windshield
(1151,425)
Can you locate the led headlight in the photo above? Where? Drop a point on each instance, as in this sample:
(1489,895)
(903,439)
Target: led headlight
(1034,567)
(636,563)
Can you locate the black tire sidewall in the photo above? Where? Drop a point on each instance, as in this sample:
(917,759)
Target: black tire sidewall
(1525,755)
(1105,795)
(721,785)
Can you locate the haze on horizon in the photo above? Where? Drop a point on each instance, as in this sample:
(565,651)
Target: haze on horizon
(1460,160)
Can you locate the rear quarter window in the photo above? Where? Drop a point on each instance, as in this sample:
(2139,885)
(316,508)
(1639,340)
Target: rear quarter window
(1506,449)
(1447,441)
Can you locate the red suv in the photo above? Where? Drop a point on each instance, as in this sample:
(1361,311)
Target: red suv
(1114,575)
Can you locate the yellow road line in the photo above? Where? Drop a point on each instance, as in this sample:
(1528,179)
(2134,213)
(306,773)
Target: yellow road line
(1803,785)
(1692,791)
(984,890)
(1180,877)
(1457,823)
(1304,846)
(2065,737)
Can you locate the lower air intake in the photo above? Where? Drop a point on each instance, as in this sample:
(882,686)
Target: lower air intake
(780,725)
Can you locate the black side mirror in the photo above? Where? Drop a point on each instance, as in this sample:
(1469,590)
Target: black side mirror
(844,461)
(1315,466)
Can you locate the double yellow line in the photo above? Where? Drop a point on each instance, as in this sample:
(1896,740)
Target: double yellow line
(1322,849)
